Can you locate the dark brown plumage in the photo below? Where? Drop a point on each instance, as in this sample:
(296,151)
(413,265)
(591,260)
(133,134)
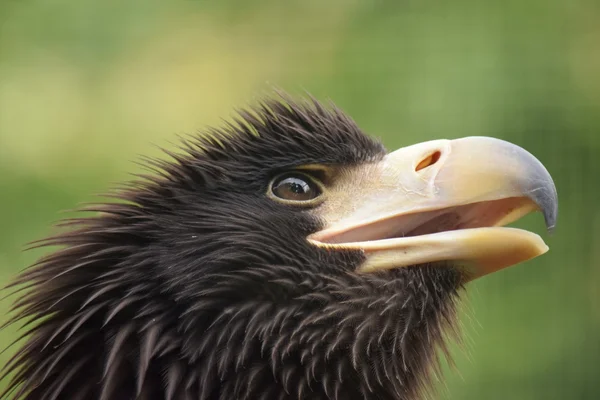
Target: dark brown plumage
(195,285)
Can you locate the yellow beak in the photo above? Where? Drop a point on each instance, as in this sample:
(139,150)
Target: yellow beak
(444,200)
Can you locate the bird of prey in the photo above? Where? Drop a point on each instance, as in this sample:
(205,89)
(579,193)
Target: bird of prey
(286,255)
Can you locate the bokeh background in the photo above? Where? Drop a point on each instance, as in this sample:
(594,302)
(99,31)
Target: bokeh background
(87,86)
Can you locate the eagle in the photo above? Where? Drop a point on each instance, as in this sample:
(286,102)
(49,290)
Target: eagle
(286,255)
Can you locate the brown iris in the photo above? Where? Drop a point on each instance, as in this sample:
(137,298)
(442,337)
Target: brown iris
(295,187)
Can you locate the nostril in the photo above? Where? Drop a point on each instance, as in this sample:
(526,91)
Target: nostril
(429,160)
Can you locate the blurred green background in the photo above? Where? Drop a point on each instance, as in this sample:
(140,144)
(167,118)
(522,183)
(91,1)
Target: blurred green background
(87,86)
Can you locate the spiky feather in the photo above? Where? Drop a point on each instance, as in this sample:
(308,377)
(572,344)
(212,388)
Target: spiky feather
(194,285)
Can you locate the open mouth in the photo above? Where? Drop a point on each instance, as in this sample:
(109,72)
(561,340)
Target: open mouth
(476,215)
(457,211)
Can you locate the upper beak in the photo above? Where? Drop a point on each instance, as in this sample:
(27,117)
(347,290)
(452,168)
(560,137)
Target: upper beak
(446,201)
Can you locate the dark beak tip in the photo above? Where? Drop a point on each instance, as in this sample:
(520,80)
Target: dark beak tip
(550,220)
(548,204)
(546,199)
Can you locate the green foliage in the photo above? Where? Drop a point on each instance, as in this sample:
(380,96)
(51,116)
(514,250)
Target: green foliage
(87,86)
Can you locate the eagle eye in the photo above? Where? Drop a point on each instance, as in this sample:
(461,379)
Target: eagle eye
(296,188)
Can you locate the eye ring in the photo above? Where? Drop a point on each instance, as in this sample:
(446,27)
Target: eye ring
(296,188)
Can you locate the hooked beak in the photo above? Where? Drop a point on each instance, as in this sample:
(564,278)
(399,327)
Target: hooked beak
(444,200)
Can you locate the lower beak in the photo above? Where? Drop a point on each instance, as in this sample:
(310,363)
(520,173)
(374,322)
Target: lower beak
(446,201)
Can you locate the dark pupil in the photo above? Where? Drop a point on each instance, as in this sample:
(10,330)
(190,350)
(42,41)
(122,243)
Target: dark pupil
(293,188)
(298,188)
